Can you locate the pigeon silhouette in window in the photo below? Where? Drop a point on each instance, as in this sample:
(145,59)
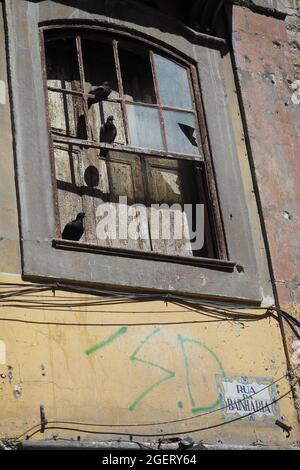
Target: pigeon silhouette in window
(74,229)
(100,94)
(108,131)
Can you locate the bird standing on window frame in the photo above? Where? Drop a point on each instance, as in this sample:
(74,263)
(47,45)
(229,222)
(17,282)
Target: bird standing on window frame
(108,131)
(74,229)
(100,93)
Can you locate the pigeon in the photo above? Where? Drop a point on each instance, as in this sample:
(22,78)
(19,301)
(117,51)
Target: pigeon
(101,93)
(108,131)
(74,230)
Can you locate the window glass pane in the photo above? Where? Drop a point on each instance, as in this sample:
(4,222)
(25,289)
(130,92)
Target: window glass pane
(137,77)
(144,127)
(62,64)
(67,114)
(173,83)
(180,132)
(99,66)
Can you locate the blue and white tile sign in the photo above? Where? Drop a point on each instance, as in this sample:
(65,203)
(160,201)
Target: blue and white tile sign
(253,396)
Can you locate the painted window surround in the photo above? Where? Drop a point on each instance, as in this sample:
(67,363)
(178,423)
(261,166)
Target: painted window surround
(40,260)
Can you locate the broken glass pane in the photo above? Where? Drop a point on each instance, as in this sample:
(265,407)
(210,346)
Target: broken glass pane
(173,83)
(99,66)
(180,132)
(62,64)
(144,127)
(137,77)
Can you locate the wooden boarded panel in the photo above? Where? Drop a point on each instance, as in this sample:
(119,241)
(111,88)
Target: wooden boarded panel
(94,190)
(166,184)
(62,113)
(208,249)
(68,180)
(125,179)
(98,114)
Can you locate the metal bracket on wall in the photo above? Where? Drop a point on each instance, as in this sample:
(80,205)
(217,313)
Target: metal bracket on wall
(44,421)
(285,428)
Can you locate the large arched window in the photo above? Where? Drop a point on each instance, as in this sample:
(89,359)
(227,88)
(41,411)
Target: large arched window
(153,152)
(169,149)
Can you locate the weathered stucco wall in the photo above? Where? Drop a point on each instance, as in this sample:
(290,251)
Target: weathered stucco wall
(131,363)
(293,29)
(265,71)
(290,8)
(9,235)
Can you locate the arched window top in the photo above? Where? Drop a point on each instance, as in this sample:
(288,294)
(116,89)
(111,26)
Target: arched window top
(151,94)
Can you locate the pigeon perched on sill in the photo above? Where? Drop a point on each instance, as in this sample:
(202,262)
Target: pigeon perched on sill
(108,131)
(100,94)
(74,229)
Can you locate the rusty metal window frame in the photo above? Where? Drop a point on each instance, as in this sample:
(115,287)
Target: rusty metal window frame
(123,101)
(55,138)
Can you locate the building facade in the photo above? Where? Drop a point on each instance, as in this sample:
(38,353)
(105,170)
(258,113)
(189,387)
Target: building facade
(106,336)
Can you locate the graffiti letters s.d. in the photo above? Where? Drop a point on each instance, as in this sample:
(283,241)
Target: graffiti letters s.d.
(106,341)
(196,408)
(187,364)
(134,357)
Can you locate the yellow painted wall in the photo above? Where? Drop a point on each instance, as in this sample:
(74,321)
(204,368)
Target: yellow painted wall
(48,361)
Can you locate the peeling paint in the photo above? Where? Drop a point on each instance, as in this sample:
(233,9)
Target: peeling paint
(2,352)
(17,391)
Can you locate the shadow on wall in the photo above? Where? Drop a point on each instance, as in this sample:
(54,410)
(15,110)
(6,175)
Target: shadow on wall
(199,14)
(128,10)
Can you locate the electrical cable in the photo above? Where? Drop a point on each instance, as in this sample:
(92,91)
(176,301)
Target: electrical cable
(37,322)
(121,296)
(212,309)
(200,415)
(190,431)
(164,422)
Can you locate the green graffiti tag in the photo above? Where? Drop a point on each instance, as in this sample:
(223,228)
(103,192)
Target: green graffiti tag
(169,374)
(133,357)
(182,341)
(106,341)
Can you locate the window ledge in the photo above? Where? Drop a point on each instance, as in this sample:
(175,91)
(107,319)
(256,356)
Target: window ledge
(222,265)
